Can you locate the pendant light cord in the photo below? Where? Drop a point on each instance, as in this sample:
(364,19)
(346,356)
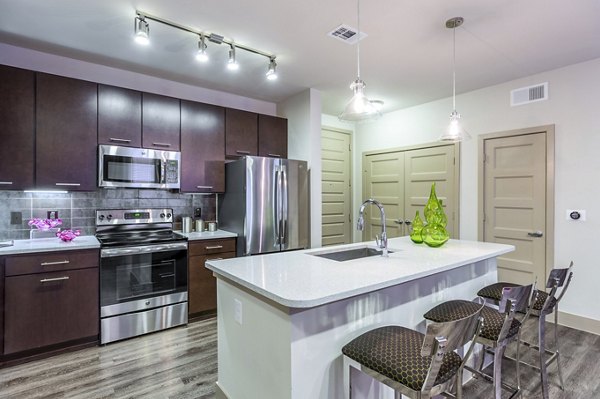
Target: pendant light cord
(358,38)
(454,69)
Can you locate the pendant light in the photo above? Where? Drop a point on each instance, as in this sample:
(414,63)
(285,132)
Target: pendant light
(455,131)
(359,108)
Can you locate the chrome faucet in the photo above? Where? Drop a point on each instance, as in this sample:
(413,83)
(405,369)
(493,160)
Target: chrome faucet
(360,225)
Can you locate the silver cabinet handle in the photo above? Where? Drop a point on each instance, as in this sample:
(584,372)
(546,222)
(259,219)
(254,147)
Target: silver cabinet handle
(399,221)
(7,183)
(274,155)
(48,280)
(162,144)
(205,187)
(69,184)
(407,222)
(60,262)
(242,152)
(214,247)
(119,140)
(536,234)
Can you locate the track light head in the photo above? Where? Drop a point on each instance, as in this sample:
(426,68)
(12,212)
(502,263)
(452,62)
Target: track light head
(232,64)
(202,55)
(142,31)
(272,71)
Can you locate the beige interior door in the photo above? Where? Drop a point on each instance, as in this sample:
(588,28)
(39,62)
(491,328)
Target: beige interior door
(424,167)
(336,187)
(383,180)
(515,204)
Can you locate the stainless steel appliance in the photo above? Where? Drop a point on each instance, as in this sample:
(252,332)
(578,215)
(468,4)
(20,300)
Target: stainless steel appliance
(266,204)
(143,273)
(138,167)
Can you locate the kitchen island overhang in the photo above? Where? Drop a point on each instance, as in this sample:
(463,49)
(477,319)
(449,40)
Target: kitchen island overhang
(283,318)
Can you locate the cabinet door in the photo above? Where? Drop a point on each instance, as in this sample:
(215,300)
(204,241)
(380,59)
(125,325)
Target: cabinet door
(241,133)
(272,136)
(50,308)
(202,284)
(160,122)
(202,147)
(119,116)
(16,128)
(66,133)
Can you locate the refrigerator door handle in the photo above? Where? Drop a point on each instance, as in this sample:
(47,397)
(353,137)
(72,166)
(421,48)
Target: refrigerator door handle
(276,210)
(284,205)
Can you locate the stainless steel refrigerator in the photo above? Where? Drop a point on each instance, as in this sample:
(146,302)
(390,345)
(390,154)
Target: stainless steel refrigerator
(266,202)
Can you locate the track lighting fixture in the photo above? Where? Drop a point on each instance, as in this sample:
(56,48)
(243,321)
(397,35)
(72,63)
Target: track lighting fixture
(232,64)
(142,36)
(272,71)
(202,56)
(142,31)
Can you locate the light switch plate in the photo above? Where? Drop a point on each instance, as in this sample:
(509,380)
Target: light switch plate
(237,311)
(572,215)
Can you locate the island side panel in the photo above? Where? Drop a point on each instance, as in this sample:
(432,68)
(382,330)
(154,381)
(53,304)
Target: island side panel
(318,334)
(254,356)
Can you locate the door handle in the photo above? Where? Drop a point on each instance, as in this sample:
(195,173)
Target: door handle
(60,262)
(407,222)
(536,234)
(48,280)
(399,221)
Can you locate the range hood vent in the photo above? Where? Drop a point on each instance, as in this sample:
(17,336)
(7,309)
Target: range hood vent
(529,94)
(347,34)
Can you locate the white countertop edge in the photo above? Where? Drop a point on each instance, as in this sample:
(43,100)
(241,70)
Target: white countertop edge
(310,303)
(207,235)
(49,245)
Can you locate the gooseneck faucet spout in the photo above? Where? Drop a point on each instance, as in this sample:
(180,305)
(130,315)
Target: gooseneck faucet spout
(360,225)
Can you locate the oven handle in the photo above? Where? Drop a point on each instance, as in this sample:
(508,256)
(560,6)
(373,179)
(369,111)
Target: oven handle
(112,252)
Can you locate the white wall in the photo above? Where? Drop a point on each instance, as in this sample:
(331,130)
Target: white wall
(574,108)
(303,112)
(64,66)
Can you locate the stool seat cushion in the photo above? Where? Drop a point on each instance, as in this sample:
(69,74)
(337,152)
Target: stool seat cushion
(395,352)
(458,309)
(494,292)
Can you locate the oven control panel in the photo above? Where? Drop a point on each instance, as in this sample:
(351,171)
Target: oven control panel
(133,216)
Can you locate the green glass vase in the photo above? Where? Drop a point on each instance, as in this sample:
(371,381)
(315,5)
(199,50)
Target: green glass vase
(434,235)
(433,207)
(417,229)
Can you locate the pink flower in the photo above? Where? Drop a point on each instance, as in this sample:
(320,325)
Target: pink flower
(68,235)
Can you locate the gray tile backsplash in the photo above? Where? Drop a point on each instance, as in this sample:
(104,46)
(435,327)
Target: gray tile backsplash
(77,210)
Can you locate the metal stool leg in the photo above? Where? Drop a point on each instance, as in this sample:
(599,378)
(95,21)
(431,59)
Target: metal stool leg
(542,351)
(498,352)
(519,361)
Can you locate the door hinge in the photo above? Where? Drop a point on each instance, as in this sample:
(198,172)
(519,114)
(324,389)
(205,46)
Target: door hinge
(484,218)
(484,158)
(454,161)
(349,147)
(349,218)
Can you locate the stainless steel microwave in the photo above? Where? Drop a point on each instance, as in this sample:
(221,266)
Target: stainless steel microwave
(138,167)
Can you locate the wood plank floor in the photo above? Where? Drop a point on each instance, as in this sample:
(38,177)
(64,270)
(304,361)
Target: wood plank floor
(182,363)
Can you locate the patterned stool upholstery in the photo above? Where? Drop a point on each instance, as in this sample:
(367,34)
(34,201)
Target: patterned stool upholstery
(457,309)
(395,352)
(494,292)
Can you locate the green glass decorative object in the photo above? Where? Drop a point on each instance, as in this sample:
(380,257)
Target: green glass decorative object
(434,233)
(417,228)
(432,207)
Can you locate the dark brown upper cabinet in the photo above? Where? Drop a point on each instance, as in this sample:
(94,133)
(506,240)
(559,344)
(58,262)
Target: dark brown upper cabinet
(272,136)
(119,116)
(241,133)
(17,94)
(161,120)
(66,133)
(202,148)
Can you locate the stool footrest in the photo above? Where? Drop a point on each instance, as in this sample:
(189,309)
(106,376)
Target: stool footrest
(515,390)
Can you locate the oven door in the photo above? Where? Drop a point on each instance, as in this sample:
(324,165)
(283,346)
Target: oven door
(142,277)
(137,167)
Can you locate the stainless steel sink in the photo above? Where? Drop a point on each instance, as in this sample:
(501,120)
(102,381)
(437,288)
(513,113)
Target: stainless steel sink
(351,254)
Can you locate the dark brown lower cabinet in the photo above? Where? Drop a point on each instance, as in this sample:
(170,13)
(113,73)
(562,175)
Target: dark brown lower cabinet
(50,308)
(202,285)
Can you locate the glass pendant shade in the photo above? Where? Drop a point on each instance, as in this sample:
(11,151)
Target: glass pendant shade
(142,32)
(455,131)
(359,107)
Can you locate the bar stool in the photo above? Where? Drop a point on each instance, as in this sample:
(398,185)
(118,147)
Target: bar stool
(416,365)
(546,303)
(499,328)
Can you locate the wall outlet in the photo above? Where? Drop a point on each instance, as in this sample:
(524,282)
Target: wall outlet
(52,215)
(16,218)
(237,311)
(198,213)
(576,215)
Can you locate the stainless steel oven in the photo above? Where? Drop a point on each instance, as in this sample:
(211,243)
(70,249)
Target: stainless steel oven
(143,273)
(138,167)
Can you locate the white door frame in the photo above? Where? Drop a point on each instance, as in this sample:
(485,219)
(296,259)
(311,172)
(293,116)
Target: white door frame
(548,130)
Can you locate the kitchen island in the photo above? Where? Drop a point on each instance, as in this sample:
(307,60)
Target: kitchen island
(283,318)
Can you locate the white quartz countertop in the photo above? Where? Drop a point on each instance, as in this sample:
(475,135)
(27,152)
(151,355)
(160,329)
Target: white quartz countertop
(298,279)
(49,245)
(208,235)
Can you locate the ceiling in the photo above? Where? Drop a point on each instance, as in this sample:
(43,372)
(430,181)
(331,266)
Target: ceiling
(405,60)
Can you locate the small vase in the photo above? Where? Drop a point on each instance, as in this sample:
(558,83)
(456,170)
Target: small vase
(435,235)
(433,207)
(417,228)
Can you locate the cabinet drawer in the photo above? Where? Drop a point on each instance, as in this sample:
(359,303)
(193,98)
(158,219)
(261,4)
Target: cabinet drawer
(207,247)
(50,262)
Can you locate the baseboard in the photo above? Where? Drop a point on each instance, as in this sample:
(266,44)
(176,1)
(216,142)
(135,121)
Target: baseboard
(578,322)
(219,393)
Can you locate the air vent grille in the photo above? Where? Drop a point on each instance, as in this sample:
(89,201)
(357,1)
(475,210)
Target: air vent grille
(347,34)
(529,94)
